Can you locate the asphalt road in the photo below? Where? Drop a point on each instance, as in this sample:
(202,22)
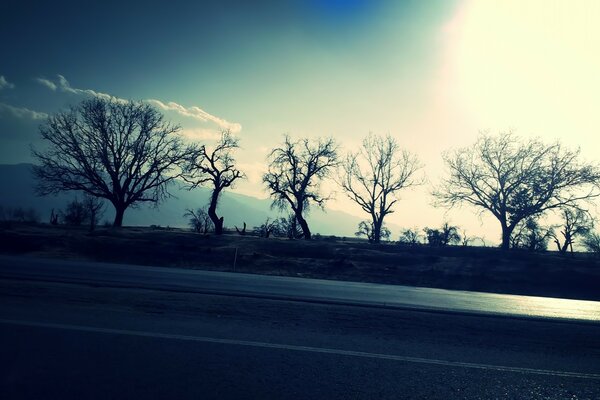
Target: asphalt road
(83,340)
(285,288)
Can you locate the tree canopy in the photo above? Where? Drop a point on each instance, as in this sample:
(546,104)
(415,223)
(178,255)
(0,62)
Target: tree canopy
(215,167)
(122,151)
(295,172)
(373,176)
(516,179)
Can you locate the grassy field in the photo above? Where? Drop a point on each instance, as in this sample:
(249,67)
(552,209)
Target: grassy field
(453,267)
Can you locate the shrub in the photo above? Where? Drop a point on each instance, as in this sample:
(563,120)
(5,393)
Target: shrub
(199,221)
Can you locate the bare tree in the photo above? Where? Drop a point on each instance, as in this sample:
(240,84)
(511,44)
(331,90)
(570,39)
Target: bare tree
(448,234)
(289,227)
(295,173)
(199,220)
(529,234)
(124,152)
(270,226)
(75,213)
(575,222)
(410,236)
(373,176)
(215,167)
(366,228)
(467,240)
(591,241)
(95,209)
(516,180)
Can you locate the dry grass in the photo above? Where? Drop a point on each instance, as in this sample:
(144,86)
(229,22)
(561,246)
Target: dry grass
(463,268)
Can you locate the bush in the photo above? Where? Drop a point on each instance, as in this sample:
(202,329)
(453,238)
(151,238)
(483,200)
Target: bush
(410,237)
(448,234)
(75,213)
(199,221)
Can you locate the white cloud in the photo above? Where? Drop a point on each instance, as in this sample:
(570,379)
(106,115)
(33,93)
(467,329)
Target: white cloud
(192,112)
(200,134)
(22,112)
(64,85)
(4,84)
(196,113)
(48,83)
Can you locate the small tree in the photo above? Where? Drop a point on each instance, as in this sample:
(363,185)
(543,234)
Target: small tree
(215,167)
(531,235)
(366,228)
(373,176)
(121,151)
(95,210)
(290,228)
(448,234)
(575,222)
(591,241)
(410,236)
(296,170)
(75,213)
(199,220)
(270,226)
(515,180)
(53,217)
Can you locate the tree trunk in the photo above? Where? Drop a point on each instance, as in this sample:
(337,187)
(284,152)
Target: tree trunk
(506,234)
(212,213)
(119,212)
(92,221)
(304,226)
(377,231)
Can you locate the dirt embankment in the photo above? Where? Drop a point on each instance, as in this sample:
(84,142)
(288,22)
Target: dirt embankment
(462,268)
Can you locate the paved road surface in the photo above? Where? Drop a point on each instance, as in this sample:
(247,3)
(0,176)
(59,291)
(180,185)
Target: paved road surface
(79,341)
(274,287)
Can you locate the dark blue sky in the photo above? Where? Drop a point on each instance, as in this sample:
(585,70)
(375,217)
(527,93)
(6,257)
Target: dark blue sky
(130,46)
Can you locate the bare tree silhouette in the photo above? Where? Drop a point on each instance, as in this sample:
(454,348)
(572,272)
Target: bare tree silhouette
(591,241)
(199,220)
(515,180)
(373,176)
(575,222)
(529,234)
(295,173)
(124,152)
(365,228)
(75,213)
(269,227)
(217,168)
(95,209)
(448,234)
(410,236)
(289,227)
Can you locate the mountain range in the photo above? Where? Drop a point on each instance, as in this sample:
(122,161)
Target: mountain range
(17,183)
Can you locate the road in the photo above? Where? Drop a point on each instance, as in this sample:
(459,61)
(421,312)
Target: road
(75,340)
(286,288)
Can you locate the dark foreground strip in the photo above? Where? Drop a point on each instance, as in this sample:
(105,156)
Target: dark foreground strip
(308,349)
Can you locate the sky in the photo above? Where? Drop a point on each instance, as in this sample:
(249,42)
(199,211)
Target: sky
(432,74)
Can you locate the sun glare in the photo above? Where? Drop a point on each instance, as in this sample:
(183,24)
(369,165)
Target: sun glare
(533,66)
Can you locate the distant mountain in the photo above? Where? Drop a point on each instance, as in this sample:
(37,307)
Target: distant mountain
(17,183)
